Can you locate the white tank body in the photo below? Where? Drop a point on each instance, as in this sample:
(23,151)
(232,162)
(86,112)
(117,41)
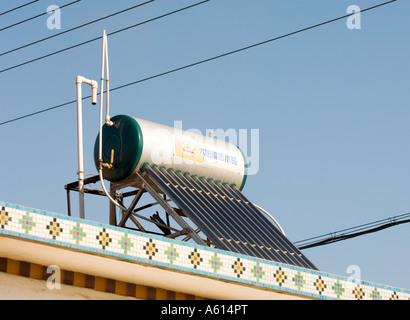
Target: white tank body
(135,142)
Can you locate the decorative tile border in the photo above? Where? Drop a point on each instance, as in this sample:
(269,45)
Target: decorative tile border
(99,238)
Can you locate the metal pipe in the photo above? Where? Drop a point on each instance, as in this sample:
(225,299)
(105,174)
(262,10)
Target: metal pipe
(105,48)
(94,85)
(80,146)
(68,203)
(104,61)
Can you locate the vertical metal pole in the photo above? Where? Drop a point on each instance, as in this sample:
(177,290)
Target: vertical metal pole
(94,86)
(80,147)
(113,216)
(68,203)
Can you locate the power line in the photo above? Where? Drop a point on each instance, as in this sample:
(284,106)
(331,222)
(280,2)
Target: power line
(248,47)
(41,111)
(37,16)
(98,38)
(202,61)
(75,28)
(353,232)
(19,7)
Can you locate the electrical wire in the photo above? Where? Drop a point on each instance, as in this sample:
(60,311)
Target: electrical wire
(353,232)
(75,28)
(199,62)
(37,16)
(207,60)
(98,38)
(19,7)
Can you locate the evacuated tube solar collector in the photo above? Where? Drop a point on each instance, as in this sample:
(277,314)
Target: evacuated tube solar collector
(131,142)
(203,177)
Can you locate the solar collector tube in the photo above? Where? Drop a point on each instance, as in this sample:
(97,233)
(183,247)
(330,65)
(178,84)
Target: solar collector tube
(194,208)
(235,220)
(237,231)
(173,193)
(199,202)
(271,234)
(226,225)
(288,244)
(179,198)
(285,242)
(254,235)
(267,238)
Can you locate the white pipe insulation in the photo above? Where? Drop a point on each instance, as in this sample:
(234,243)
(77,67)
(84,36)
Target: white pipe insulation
(104,64)
(94,86)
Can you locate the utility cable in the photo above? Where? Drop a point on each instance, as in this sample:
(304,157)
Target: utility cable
(98,38)
(353,232)
(37,16)
(199,62)
(19,7)
(75,28)
(245,48)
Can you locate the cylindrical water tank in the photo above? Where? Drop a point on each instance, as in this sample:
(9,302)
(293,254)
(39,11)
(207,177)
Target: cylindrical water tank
(133,142)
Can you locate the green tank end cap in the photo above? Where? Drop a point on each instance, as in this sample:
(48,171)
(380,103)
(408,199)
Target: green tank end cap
(125,141)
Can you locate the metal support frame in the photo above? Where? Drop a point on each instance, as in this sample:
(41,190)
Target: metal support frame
(75,186)
(142,185)
(128,213)
(186,228)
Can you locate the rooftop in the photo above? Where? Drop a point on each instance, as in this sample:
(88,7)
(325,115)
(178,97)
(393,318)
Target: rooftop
(165,265)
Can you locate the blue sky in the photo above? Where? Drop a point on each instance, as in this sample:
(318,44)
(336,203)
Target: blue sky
(330,104)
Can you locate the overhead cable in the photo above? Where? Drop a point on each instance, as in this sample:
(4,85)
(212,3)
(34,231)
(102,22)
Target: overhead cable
(353,232)
(98,38)
(199,62)
(19,7)
(37,16)
(75,28)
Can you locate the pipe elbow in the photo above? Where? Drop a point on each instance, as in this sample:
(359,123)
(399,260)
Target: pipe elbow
(108,121)
(94,84)
(94,88)
(79,80)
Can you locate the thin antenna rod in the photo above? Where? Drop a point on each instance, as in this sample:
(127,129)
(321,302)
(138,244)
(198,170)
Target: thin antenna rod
(110,123)
(107,116)
(102,88)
